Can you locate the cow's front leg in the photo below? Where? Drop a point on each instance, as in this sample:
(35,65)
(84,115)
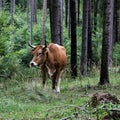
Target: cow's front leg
(43,71)
(54,80)
(58,80)
(53,84)
(44,80)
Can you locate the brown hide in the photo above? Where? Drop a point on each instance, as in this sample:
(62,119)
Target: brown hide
(52,60)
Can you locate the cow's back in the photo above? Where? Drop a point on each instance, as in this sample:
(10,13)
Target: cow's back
(57,54)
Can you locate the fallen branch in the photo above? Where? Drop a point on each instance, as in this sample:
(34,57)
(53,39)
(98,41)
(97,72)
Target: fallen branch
(66,106)
(67,118)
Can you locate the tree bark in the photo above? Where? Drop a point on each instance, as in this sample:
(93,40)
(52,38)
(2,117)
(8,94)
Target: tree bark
(12,10)
(31,20)
(104,74)
(89,52)
(0,5)
(118,20)
(66,13)
(83,65)
(43,21)
(111,16)
(56,9)
(73,38)
(95,14)
(69,20)
(35,11)
(78,16)
(28,9)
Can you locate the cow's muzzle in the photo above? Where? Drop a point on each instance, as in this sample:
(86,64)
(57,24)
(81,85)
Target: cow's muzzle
(33,64)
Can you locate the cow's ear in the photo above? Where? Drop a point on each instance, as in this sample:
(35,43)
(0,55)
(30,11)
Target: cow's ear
(32,49)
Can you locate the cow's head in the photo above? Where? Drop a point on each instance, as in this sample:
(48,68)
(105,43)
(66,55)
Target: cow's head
(39,53)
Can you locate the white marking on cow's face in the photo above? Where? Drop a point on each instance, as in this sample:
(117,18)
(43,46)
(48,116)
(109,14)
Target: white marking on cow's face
(40,52)
(32,63)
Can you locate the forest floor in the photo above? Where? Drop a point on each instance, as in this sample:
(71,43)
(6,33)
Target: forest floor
(27,100)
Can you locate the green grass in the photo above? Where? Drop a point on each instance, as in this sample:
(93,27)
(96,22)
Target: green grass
(23,97)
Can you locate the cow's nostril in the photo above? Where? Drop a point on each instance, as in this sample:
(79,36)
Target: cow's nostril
(32,64)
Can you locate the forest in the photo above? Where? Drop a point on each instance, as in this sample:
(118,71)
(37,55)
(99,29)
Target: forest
(89,30)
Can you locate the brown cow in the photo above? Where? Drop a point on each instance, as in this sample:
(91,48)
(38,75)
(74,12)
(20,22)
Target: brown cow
(52,60)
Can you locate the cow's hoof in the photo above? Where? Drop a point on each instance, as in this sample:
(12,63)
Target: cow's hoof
(58,91)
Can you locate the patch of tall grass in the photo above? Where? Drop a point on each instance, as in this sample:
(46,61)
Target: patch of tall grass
(22,96)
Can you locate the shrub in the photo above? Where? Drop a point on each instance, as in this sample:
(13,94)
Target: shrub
(116,54)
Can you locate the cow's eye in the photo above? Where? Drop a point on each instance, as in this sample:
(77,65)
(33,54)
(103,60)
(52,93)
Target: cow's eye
(40,54)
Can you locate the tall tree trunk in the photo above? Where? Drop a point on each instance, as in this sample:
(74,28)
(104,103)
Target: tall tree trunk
(115,21)
(43,21)
(83,65)
(67,16)
(69,19)
(111,16)
(73,38)
(35,11)
(89,52)
(95,14)
(31,20)
(27,9)
(104,74)
(12,10)
(66,13)
(0,5)
(78,9)
(56,9)
(118,20)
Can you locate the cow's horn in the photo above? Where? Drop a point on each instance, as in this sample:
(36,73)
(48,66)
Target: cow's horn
(31,45)
(45,43)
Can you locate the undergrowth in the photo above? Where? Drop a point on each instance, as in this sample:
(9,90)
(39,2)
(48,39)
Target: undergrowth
(22,97)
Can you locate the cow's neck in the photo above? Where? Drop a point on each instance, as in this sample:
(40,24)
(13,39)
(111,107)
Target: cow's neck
(50,65)
(51,69)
